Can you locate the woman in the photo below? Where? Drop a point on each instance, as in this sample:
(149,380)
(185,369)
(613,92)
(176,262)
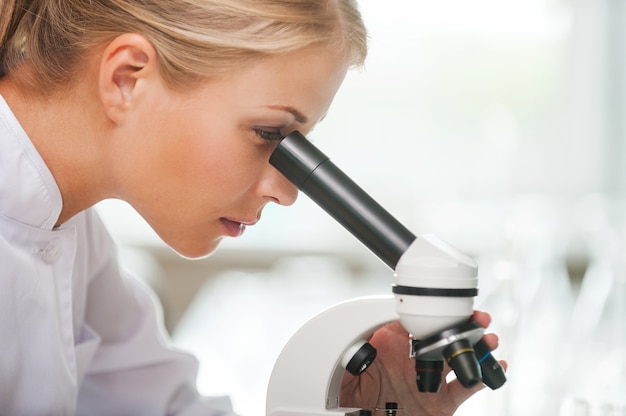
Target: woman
(173,106)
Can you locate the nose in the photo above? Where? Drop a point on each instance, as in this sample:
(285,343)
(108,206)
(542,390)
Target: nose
(276,188)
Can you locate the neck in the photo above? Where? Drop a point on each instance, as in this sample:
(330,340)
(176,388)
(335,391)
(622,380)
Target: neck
(67,132)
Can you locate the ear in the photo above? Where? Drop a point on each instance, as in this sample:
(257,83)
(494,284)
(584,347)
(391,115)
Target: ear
(128,62)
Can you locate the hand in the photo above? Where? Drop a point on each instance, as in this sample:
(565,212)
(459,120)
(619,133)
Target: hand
(391,377)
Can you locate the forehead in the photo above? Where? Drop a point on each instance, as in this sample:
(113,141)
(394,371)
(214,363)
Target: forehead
(303,82)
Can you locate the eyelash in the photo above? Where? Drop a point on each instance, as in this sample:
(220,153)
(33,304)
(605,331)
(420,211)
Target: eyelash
(269,136)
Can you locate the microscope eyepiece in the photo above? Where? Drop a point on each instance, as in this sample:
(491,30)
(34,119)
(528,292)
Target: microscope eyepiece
(315,175)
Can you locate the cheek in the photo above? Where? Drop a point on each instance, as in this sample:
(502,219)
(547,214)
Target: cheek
(205,158)
(206,167)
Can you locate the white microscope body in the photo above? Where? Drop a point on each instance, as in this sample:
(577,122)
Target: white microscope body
(433,298)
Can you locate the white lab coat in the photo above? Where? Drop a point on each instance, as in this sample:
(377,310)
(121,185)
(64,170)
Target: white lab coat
(76,336)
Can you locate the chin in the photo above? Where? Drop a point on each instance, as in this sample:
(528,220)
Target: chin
(195,251)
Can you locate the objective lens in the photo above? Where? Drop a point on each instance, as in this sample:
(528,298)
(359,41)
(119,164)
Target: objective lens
(429,375)
(493,373)
(461,358)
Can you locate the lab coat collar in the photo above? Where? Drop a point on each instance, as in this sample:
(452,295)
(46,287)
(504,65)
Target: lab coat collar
(25,180)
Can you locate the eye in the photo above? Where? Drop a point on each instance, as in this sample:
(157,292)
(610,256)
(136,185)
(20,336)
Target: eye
(269,135)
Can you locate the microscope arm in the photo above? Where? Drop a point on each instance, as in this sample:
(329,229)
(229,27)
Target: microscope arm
(306,380)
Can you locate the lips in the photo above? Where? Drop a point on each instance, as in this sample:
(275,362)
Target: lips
(235,228)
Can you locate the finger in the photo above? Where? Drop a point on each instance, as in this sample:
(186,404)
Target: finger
(491,340)
(483,318)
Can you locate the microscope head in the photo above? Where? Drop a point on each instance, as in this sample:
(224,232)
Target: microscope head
(434,286)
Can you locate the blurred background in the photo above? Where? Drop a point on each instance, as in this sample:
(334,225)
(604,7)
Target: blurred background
(498,125)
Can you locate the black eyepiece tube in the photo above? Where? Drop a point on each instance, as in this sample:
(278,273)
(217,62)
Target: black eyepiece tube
(315,175)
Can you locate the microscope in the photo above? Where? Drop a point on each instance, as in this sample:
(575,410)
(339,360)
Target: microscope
(432,297)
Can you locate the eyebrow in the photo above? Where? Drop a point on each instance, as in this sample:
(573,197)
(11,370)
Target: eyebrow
(300,118)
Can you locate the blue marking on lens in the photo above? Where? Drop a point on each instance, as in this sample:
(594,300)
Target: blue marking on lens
(480,361)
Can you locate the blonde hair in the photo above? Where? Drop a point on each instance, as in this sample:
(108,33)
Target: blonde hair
(194,39)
